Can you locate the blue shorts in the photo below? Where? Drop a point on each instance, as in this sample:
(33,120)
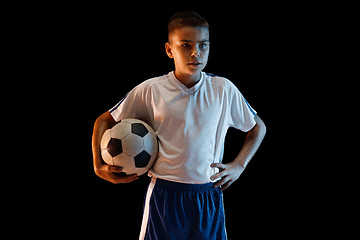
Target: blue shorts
(177,211)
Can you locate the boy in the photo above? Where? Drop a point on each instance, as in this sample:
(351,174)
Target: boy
(190,111)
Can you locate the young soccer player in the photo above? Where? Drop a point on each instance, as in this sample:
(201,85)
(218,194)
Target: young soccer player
(190,112)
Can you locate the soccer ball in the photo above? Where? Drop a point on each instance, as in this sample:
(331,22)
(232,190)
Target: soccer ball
(131,144)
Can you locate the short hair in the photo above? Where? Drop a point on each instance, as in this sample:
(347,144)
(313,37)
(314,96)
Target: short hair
(185,19)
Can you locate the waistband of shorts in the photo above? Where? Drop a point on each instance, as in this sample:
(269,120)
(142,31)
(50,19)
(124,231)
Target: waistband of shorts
(183,187)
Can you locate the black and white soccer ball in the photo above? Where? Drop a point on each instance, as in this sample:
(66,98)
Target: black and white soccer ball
(131,144)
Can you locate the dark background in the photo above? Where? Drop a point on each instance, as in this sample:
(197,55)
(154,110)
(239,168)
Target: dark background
(91,55)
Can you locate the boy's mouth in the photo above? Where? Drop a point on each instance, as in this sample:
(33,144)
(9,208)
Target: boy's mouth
(194,63)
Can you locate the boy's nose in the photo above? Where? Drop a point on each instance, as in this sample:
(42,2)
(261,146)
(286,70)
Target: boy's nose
(195,53)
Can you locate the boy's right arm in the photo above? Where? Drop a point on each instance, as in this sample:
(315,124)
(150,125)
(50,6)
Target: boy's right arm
(107,172)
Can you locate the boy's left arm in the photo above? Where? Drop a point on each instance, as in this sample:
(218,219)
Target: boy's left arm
(230,172)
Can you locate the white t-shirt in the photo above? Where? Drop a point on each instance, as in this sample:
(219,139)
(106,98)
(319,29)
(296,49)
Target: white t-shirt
(190,123)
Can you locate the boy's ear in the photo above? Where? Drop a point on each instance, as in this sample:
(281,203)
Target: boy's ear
(168,50)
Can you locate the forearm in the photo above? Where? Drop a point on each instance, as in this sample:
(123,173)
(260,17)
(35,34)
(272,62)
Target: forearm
(230,172)
(106,172)
(102,123)
(252,143)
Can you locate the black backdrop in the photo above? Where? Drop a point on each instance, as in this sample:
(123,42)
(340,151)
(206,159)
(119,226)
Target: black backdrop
(94,55)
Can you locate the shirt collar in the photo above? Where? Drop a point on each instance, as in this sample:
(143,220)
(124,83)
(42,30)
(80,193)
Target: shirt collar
(184,88)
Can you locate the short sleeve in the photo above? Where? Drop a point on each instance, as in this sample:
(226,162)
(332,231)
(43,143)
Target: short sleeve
(242,115)
(131,106)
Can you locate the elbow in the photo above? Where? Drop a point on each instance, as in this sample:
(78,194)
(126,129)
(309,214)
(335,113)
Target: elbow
(261,127)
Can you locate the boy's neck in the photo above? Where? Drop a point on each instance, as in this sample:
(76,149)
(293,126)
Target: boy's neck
(188,80)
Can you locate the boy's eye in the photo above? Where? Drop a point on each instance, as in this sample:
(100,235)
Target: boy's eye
(186,45)
(203,45)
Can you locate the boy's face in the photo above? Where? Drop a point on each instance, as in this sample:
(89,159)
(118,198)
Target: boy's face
(189,47)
